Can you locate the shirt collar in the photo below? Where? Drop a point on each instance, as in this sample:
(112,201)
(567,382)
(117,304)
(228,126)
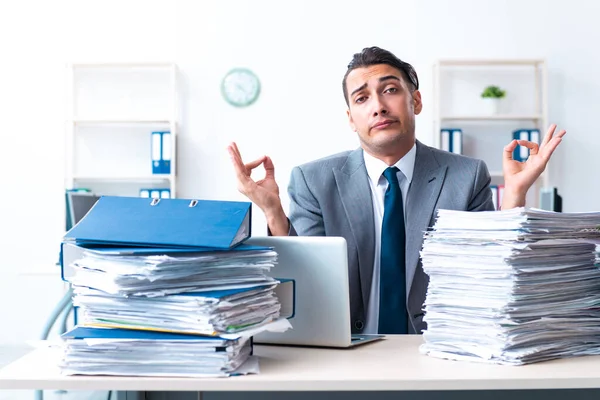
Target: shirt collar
(406,164)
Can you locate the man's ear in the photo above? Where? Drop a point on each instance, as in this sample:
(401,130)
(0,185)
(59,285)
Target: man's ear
(417,103)
(351,120)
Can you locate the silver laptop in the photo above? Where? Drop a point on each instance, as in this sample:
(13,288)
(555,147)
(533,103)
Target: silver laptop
(319,266)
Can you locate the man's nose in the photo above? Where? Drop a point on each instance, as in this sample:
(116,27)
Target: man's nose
(379,108)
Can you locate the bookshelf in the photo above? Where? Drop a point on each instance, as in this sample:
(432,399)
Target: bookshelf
(113,109)
(457,85)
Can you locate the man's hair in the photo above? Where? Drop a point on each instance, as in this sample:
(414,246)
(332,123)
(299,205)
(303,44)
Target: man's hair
(375,55)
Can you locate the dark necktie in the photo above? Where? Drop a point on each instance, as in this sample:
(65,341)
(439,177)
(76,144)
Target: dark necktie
(393,318)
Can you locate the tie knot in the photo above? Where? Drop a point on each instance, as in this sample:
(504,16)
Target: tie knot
(390,174)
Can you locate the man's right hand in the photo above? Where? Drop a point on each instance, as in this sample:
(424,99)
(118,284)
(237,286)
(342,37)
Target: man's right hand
(264,193)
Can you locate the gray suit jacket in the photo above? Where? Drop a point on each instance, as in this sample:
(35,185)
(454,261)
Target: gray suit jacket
(331,197)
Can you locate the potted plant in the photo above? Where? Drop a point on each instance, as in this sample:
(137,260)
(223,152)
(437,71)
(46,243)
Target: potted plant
(491,97)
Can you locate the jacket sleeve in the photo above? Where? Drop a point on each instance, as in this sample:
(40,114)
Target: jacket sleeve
(306,217)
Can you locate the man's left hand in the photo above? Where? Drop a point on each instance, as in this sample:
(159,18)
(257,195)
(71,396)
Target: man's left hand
(520,176)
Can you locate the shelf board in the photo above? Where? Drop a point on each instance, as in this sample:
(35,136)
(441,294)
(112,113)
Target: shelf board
(491,62)
(124,65)
(141,178)
(499,117)
(121,121)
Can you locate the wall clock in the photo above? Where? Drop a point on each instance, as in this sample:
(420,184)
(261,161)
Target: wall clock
(240,87)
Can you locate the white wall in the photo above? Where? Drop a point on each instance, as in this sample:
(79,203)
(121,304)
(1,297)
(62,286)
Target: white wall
(299,51)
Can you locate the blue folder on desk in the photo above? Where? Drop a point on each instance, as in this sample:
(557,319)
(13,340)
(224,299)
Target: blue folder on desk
(135,221)
(81,332)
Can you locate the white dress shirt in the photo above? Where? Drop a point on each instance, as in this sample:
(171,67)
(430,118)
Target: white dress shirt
(379,184)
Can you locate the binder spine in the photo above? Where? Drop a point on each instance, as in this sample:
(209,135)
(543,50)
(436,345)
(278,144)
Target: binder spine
(166,152)
(156,150)
(457,141)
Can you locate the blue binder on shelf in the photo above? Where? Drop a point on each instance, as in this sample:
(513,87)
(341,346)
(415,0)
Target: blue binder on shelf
(494,189)
(451,140)
(156,152)
(165,152)
(156,193)
(161,150)
(521,153)
(136,221)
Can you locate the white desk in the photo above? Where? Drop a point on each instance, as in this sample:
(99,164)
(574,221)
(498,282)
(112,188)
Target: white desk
(393,364)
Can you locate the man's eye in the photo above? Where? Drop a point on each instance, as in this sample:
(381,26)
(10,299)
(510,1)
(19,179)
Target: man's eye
(360,99)
(391,90)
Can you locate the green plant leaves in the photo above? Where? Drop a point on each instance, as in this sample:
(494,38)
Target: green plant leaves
(494,92)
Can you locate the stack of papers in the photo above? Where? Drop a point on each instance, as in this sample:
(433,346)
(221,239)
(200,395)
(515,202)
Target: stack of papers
(512,287)
(91,351)
(141,302)
(169,272)
(205,293)
(165,287)
(517,224)
(204,313)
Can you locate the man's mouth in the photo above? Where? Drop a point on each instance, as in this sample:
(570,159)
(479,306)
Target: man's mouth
(384,124)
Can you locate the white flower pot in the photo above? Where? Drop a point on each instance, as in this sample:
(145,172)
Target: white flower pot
(491,105)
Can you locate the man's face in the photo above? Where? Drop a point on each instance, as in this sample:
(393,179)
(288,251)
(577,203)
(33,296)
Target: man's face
(381,108)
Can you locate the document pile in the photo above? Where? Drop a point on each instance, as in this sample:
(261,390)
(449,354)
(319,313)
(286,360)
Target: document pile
(167,293)
(512,287)
(94,351)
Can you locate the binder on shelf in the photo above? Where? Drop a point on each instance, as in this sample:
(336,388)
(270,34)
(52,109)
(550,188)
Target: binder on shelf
(495,196)
(137,221)
(445,140)
(521,153)
(156,150)
(500,195)
(452,140)
(534,136)
(166,152)
(457,138)
(156,193)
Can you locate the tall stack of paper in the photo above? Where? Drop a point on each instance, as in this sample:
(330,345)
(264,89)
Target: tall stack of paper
(170,275)
(512,287)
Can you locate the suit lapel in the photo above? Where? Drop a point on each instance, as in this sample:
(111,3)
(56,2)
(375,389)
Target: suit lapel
(427,181)
(353,185)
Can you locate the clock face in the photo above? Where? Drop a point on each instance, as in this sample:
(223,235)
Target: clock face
(240,87)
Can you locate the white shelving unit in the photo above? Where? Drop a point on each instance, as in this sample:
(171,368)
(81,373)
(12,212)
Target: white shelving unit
(114,108)
(457,85)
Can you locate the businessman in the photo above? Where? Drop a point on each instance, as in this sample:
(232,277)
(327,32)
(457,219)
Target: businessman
(382,196)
